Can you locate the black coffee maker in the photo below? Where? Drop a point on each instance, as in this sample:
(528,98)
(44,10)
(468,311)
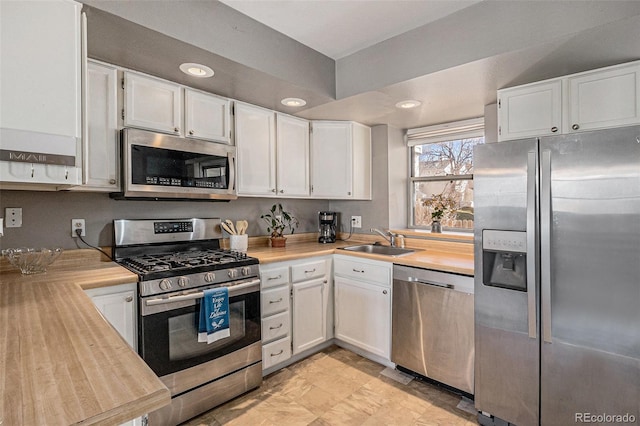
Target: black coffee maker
(327,222)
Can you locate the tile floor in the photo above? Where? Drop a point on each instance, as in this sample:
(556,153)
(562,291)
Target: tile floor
(338,387)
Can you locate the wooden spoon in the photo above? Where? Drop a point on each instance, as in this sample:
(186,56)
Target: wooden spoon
(226,227)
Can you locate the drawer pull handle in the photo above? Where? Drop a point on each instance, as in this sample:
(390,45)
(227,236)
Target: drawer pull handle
(279,353)
(275,301)
(384,291)
(311,271)
(274,278)
(358,270)
(275,328)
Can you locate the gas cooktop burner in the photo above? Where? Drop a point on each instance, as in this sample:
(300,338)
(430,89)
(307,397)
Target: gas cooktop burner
(184,262)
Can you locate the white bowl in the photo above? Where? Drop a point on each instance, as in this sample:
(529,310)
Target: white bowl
(31,260)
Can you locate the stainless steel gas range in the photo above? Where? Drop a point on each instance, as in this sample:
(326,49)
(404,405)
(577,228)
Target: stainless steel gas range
(176,260)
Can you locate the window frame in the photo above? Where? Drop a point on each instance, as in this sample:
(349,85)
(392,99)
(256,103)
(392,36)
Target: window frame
(446,132)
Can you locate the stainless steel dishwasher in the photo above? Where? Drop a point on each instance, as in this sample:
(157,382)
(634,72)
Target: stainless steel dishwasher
(432,328)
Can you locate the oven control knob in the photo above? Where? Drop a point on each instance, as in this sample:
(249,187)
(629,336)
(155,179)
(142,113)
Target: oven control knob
(233,273)
(165,284)
(183,281)
(209,277)
(246,270)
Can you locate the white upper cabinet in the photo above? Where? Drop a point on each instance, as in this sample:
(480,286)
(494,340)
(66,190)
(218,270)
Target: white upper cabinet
(273,153)
(152,104)
(40,105)
(598,99)
(100,142)
(255,134)
(207,116)
(531,110)
(292,162)
(607,98)
(340,160)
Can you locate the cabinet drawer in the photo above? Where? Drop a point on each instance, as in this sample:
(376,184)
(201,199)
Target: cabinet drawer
(276,352)
(274,300)
(308,271)
(369,272)
(274,277)
(276,326)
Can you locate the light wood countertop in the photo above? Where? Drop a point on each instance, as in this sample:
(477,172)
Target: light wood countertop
(437,255)
(62,363)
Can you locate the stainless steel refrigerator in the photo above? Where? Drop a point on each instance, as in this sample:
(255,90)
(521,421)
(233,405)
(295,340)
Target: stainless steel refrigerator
(557,279)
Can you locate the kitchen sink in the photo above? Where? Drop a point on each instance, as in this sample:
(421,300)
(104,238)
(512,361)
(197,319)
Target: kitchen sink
(378,249)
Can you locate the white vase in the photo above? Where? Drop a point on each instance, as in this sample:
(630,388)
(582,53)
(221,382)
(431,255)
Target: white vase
(239,242)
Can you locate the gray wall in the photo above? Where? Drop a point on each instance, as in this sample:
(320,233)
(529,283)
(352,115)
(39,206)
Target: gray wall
(46,216)
(217,28)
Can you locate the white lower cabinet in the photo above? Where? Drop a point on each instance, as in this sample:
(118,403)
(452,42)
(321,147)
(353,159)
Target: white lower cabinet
(297,313)
(118,305)
(363,304)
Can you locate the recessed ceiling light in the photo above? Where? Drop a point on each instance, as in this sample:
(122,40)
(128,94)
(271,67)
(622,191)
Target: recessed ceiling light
(196,70)
(293,102)
(409,103)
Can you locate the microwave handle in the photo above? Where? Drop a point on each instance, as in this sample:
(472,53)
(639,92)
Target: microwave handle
(232,171)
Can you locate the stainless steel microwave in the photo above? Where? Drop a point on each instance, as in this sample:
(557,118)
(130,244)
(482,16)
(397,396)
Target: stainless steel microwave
(161,166)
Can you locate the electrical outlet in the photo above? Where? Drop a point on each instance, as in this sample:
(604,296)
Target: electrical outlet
(13,216)
(78,224)
(356,221)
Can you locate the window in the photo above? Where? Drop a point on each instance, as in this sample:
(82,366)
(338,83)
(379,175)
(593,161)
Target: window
(442,173)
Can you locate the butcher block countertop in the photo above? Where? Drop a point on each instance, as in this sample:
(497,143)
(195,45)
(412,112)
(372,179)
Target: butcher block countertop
(438,254)
(62,363)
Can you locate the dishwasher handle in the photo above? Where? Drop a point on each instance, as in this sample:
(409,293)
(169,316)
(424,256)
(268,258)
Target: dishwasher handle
(433,283)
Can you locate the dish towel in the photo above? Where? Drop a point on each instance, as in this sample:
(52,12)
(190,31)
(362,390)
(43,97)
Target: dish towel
(214,315)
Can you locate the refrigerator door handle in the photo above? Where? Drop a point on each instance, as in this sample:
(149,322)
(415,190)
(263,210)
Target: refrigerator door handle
(532,167)
(545,245)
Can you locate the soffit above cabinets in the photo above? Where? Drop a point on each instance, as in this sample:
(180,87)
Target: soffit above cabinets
(453,65)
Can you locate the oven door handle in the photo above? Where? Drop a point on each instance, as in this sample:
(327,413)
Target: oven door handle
(200,294)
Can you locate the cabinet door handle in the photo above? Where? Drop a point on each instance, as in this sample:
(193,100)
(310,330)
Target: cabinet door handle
(575,127)
(282,191)
(279,353)
(176,129)
(274,278)
(112,181)
(274,190)
(554,129)
(358,270)
(275,301)
(32,170)
(275,328)
(128,299)
(191,132)
(311,271)
(384,291)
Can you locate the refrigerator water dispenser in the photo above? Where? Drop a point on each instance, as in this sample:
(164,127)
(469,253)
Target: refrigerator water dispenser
(504,259)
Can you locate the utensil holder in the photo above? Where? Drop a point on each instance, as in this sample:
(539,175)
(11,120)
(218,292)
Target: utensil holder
(239,242)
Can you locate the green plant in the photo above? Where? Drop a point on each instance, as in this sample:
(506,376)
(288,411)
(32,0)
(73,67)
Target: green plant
(278,220)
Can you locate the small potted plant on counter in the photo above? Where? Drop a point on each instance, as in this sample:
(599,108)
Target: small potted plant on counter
(438,205)
(277,220)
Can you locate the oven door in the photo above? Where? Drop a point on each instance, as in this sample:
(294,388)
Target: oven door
(164,166)
(168,330)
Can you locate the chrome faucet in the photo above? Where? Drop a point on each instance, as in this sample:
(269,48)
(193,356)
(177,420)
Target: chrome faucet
(389,236)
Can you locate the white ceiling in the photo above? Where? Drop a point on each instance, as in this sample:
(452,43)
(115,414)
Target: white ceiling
(338,28)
